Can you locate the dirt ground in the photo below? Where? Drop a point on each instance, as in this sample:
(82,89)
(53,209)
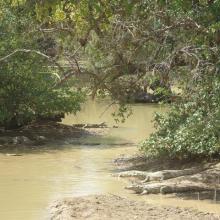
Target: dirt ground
(111,207)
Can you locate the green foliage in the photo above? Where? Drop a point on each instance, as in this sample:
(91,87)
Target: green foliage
(118,48)
(29,86)
(191,127)
(123,112)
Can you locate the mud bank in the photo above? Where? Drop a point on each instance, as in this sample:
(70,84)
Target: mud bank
(40,134)
(111,207)
(170,177)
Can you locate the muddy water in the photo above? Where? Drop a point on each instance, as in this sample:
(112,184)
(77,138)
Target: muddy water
(32,181)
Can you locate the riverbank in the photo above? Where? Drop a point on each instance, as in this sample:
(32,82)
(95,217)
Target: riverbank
(195,179)
(189,180)
(39,134)
(81,166)
(111,207)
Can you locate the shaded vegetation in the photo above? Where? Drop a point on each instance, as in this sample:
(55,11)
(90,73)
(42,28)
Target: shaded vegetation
(191,127)
(29,85)
(53,52)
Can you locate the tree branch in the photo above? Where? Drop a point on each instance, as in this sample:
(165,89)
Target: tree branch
(24,51)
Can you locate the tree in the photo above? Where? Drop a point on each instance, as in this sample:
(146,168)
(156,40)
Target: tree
(118,48)
(30,80)
(191,127)
(120,43)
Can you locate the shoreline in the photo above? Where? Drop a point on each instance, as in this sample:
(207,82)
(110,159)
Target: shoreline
(112,207)
(54,132)
(38,135)
(109,206)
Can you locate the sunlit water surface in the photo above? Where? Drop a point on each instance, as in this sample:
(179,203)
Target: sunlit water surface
(29,183)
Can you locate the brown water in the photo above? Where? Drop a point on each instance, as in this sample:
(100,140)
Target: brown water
(28,184)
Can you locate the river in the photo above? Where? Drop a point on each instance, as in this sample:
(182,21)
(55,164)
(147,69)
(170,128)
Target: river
(29,183)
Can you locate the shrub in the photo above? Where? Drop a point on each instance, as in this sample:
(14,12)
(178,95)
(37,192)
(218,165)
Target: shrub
(190,128)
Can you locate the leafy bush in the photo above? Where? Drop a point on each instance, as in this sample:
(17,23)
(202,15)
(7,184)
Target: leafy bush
(29,84)
(27,92)
(190,128)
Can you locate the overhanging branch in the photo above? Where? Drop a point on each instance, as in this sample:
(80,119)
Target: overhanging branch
(24,51)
